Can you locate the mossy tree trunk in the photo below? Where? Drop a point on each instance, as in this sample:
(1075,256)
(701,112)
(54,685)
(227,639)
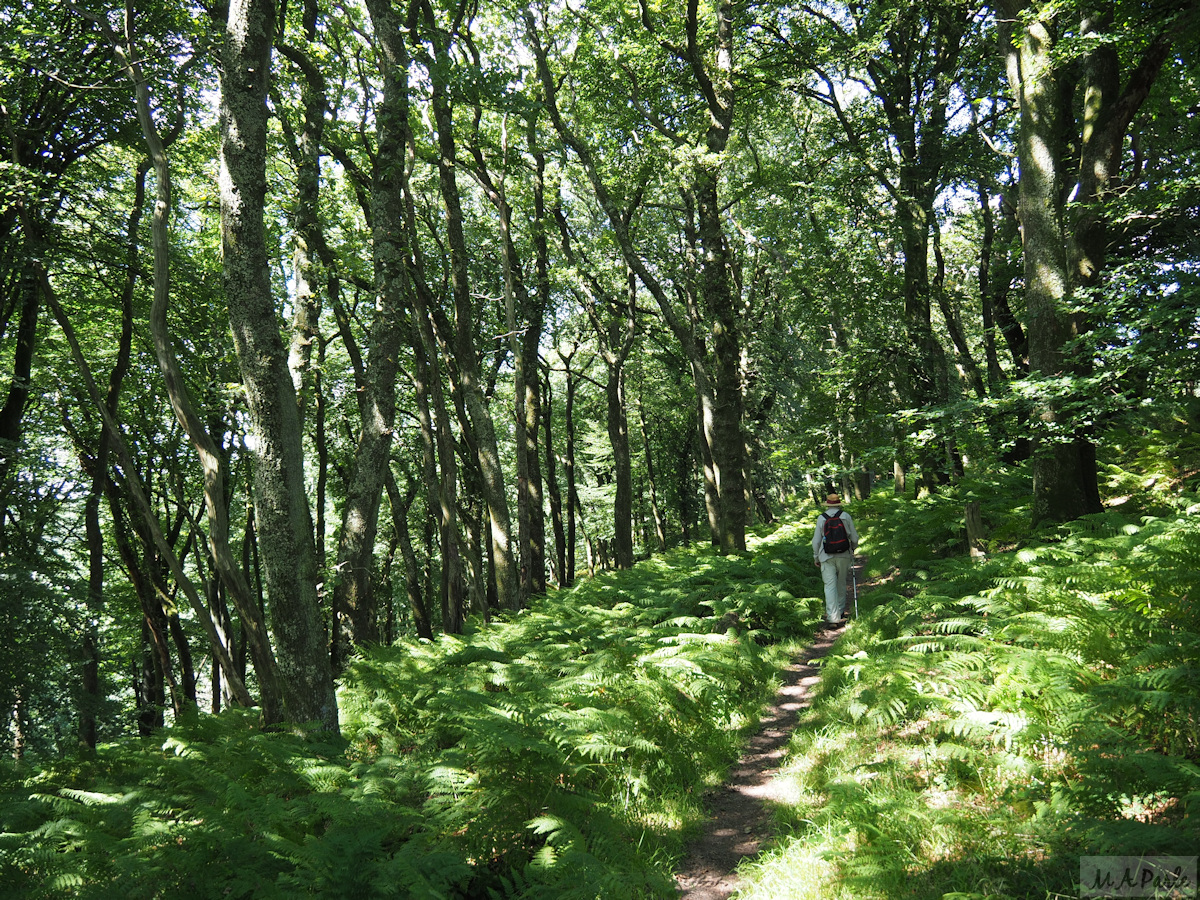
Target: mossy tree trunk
(285,534)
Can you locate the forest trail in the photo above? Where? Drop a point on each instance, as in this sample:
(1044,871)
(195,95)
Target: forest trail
(739,821)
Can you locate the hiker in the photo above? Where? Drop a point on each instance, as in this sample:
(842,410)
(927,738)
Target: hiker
(833,551)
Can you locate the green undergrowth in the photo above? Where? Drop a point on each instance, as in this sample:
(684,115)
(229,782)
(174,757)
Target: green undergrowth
(986,722)
(556,753)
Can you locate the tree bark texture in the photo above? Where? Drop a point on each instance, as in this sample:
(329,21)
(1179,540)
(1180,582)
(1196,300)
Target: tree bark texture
(717,288)
(212,459)
(306,156)
(354,599)
(1037,83)
(281,502)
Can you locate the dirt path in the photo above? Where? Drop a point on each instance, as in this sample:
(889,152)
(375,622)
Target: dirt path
(739,811)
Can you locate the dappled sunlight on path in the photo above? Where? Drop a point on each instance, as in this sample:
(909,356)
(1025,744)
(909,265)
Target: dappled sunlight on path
(740,819)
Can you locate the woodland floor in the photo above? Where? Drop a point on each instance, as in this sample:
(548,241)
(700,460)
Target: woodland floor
(740,820)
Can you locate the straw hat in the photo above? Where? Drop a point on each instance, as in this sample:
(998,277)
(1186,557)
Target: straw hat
(833,500)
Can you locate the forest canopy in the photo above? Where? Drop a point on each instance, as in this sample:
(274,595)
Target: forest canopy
(324,324)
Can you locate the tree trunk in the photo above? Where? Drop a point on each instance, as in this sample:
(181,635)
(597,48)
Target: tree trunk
(210,455)
(221,606)
(89,695)
(1009,325)
(717,289)
(958,337)
(573,510)
(13,411)
(1060,254)
(685,488)
(727,443)
(322,451)
(618,435)
(535,315)
(555,495)
(976,536)
(704,438)
(660,529)
(720,393)
(494,489)
(354,598)
(615,326)
(440,456)
(149,692)
(306,155)
(412,569)
(90,700)
(281,507)
(473,564)
(139,568)
(136,491)
(525,549)
(1058,493)
(187,668)
(987,244)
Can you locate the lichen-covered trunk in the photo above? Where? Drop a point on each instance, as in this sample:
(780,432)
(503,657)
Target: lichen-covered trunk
(1057,466)
(704,441)
(354,599)
(718,291)
(526,450)
(727,443)
(280,499)
(213,461)
(306,220)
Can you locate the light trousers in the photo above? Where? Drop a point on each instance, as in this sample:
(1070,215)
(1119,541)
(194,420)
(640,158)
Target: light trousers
(833,572)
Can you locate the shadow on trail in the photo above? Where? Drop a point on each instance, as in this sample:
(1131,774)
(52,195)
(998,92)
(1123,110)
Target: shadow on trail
(741,810)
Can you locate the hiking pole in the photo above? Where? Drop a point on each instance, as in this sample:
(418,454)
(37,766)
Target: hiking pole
(854,581)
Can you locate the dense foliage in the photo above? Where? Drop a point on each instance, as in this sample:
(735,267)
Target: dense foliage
(987,722)
(554,753)
(340,341)
(982,724)
(438,304)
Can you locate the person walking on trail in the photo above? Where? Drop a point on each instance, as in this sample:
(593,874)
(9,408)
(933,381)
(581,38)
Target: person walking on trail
(834,540)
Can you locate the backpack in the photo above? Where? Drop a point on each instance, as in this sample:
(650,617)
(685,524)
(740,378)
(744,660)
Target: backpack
(836,539)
